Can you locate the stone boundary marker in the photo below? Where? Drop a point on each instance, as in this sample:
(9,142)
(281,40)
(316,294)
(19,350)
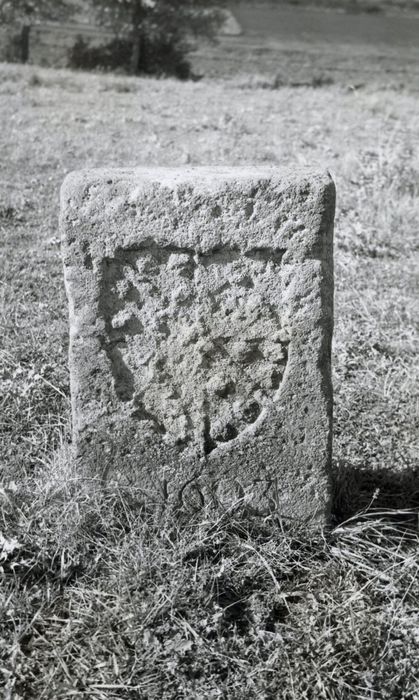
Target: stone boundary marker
(201,314)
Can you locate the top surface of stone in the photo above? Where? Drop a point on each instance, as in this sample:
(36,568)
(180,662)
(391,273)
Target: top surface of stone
(206,178)
(206,173)
(199,207)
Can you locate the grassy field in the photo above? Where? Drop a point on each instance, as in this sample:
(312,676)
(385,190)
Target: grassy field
(101,598)
(366,6)
(303,46)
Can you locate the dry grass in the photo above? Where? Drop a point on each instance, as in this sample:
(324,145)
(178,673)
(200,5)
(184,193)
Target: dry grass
(102,598)
(373,6)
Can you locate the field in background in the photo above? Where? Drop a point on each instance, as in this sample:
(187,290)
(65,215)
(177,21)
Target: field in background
(104,600)
(283,22)
(302,45)
(351,6)
(296,64)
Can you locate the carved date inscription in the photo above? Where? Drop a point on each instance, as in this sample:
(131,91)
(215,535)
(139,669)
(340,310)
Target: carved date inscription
(195,342)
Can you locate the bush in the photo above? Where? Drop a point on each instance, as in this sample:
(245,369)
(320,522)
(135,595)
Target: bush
(115,54)
(159,56)
(164,56)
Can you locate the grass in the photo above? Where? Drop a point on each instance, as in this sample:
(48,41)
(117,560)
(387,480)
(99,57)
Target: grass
(102,597)
(369,6)
(290,62)
(106,600)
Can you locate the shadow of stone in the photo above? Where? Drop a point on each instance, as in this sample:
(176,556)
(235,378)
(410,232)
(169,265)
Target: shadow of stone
(358,490)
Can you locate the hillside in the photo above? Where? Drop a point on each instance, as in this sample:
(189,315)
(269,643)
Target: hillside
(368,6)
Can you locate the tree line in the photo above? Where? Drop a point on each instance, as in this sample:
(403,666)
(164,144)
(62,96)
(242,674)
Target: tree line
(151,36)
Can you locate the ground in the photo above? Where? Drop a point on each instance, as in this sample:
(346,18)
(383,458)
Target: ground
(368,6)
(103,598)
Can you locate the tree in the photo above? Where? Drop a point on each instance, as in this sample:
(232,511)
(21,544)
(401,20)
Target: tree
(159,31)
(169,23)
(19,15)
(29,11)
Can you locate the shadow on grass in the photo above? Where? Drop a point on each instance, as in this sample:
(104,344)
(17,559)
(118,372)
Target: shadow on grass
(359,490)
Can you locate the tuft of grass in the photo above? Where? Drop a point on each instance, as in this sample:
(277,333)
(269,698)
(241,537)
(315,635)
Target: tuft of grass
(254,81)
(104,598)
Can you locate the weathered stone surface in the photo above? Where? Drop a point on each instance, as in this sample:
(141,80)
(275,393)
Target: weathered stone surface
(201,312)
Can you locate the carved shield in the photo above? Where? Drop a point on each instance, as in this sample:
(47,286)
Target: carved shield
(195,342)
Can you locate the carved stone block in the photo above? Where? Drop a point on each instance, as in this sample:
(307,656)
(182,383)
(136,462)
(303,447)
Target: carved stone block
(201,312)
